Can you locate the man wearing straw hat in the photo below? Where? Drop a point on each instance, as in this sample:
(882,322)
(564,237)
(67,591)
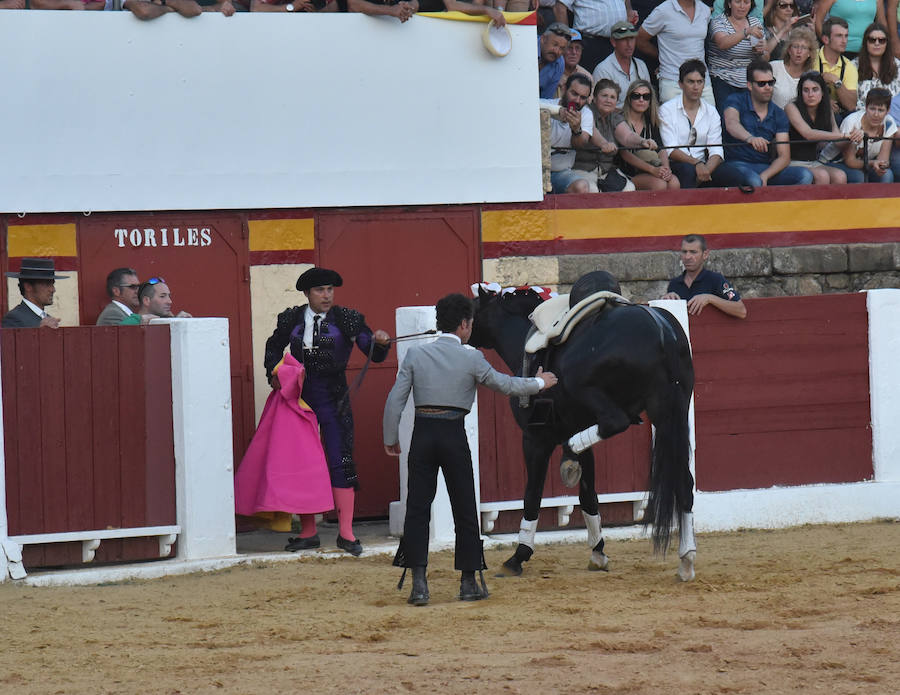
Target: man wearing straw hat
(37,283)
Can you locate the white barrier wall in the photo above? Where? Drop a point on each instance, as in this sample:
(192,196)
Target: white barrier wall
(259,110)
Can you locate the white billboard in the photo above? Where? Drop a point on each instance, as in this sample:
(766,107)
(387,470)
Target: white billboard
(105,112)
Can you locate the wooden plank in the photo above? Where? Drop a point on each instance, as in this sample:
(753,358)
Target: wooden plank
(79,427)
(159,483)
(11,442)
(106,432)
(760,460)
(816,416)
(27,432)
(131,453)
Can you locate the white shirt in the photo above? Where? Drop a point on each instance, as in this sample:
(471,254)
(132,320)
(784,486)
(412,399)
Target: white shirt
(596,17)
(677,36)
(308,327)
(785,86)
(561,136)
(675,128)
(610,69)
(128,312)
(831,151)
(35,308)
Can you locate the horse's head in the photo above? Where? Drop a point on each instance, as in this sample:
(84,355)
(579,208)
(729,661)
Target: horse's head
(498,313)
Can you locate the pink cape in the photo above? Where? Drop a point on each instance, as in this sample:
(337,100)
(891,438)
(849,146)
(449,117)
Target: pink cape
(284,469)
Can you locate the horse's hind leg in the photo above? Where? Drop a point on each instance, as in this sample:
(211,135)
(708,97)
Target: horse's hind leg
(687,547)
(537,459)
(590,510)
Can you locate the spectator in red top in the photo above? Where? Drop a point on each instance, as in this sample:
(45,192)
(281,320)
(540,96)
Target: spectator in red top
(65,5)
(12,4)
(151,9)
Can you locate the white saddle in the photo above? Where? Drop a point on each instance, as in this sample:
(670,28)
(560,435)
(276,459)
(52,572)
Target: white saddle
(553,320)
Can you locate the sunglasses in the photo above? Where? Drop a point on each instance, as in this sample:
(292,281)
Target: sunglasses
(149,283)
(639,96)
(877,39)
(765,83)
(135,286)
(785,5)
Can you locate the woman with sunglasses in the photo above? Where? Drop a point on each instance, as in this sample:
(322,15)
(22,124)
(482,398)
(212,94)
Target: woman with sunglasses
(648,168)
(870,161)
(799,57)
(734,39)
(876,64)
(812,120)
(778,21)
(858,13)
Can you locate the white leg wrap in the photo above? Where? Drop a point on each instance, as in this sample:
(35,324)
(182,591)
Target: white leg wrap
(686,541)
(527,529)
(585,439)
(592,522)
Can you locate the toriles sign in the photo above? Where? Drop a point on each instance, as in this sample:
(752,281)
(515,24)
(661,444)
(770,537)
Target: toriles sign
(146,237)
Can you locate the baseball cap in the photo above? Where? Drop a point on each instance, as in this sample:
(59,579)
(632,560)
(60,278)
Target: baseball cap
(560,29)
(623,30)
(576,35)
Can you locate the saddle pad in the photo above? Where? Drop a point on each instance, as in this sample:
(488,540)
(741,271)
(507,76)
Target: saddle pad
(554,319)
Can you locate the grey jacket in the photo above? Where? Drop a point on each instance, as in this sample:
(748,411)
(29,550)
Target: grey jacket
(445,373)
(111,315)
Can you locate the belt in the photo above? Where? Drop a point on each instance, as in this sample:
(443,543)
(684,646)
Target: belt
(446,413)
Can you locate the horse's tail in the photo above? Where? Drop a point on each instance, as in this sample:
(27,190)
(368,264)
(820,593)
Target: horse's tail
(671,482)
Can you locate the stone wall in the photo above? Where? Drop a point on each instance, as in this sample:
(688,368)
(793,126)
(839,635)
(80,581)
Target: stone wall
(755,272)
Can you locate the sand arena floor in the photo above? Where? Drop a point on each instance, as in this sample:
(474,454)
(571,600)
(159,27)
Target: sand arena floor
(811,609)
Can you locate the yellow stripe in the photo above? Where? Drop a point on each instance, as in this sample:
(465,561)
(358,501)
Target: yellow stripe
(737,218)
(282,235)
(511,17)
(40,240)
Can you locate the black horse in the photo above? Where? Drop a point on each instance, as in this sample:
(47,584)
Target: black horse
(616,364)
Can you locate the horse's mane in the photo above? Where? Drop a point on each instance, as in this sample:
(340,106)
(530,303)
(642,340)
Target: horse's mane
(520,302)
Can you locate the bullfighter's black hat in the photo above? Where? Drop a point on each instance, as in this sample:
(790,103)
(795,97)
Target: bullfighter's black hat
(37,269)
(318,277)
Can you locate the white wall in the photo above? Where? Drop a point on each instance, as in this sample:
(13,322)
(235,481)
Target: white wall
(105,112)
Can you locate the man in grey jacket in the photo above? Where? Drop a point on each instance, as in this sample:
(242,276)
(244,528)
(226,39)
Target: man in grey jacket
(443,376)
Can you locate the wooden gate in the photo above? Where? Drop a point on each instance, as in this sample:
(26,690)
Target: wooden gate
(390,259)
(204,258)
(782,398)
(87,418)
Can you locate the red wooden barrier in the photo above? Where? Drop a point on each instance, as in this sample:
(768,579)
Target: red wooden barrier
(87,418)
(782,398)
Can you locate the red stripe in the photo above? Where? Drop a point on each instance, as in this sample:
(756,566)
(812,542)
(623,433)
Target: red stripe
(704,196)
(561,247)
(69,263)
(530,20)
(281,257)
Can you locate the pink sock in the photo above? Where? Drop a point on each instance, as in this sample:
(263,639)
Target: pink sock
(307,525)
(343,502)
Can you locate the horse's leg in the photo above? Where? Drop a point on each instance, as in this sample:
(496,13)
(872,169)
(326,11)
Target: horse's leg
(570,467)
(590,510)
(687,547)
(537,452)
(611,420)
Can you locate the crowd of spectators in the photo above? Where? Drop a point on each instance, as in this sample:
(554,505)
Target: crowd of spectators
(730,93)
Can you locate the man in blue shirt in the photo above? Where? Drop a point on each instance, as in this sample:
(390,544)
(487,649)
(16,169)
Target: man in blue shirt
(701,287)
(752,119)
(551,63)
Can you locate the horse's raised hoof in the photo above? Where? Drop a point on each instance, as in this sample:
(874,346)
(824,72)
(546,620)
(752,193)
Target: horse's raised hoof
(599,562)
(510,568)
(686,567)
(570,472)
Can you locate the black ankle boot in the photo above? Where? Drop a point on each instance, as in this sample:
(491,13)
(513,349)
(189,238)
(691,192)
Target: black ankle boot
(469,589)
(419,594)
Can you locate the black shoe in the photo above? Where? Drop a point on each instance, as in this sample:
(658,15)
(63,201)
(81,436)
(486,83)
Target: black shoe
(419,595)
(352,547)
(469,589)
(303,543)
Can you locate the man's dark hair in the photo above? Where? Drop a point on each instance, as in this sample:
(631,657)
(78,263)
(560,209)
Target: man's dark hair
(114,279)
(689,66)
(146,290)
(452,310)
(833,22)
(578,77)
(695,238)
(758,65)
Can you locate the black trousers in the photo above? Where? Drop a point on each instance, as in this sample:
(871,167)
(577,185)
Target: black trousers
(439,444)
